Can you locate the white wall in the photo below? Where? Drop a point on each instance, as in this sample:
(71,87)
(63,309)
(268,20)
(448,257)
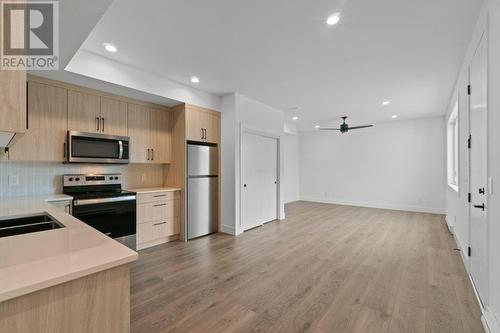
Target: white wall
(291,173)
(396,165)
(239,112)
(457,206)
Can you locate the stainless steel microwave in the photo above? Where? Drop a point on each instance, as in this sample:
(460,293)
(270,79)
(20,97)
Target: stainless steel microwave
(97,148)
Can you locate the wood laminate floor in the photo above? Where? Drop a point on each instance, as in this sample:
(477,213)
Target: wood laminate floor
(326,268)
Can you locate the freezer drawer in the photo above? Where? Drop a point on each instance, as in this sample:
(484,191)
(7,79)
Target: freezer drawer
(202,206)
(202,160)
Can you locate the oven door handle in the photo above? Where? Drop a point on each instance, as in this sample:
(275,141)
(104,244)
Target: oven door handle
(95,212)
(85,202)
(120,154)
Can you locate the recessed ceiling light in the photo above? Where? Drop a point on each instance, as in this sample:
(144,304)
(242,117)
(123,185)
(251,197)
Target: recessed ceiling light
(317,126)
(333,19)
(110,47)
(295,118)
(386,102)
(195,79)
(394,116)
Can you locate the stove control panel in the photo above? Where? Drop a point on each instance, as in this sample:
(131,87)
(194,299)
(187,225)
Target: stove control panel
(88,180)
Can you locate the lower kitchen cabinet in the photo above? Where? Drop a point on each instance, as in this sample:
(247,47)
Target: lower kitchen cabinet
(158,218)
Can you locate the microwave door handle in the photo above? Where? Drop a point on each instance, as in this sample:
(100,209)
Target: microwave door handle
(120,145)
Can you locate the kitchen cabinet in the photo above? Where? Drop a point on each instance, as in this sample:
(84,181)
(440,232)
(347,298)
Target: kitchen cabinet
(149,131)
(160,136)
(95,114)
(83,112)
(202,124)
(113,117)
(47,126)
(13,95)
(158,218)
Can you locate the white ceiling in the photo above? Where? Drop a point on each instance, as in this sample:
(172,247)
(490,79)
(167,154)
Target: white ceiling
(282,53)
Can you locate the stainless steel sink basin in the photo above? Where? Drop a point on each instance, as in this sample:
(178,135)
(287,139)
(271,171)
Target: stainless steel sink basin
(28,224)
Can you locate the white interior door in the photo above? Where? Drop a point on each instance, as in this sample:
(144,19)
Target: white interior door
(259,180)
(478,170)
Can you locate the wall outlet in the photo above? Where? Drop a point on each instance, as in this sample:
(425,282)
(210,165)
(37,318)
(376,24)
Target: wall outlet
(13,180)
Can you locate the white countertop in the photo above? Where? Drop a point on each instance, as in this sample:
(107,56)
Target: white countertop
(154,189)
(39,260)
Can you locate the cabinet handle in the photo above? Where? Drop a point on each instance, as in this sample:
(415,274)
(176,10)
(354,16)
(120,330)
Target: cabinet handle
(152,154)
(64,150)
(159,196)
(98,124)
(205,134)
(160,223)
(159,205)
(102,120)
(148,154)
(202,133)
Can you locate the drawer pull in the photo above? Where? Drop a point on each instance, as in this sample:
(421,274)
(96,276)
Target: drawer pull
(159,205)
(160,223)
(159,196)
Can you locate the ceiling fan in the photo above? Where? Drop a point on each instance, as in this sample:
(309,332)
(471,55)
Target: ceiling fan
(344,128)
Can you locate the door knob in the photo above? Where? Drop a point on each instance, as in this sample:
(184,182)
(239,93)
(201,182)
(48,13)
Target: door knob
(244,185)
(480,206)
(482,191)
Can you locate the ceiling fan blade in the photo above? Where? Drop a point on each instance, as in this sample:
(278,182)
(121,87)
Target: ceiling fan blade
(358,127)
(329,129)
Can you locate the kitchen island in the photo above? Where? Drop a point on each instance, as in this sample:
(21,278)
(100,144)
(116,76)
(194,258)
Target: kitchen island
(70,279)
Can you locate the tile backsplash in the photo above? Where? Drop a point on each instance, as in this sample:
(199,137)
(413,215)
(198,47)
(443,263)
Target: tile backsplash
(37,178)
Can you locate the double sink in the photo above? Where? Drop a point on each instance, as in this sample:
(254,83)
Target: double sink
(28,224)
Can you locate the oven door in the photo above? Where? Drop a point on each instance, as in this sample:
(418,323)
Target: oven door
(97,148)
(115,217)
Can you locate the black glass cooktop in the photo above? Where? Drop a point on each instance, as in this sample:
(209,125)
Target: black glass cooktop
(100,194)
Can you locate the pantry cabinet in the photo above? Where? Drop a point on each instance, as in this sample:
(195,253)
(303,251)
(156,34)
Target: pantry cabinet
(47,125)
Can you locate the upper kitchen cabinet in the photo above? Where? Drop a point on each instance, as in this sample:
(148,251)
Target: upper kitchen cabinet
(149,131)
(202,124)
(47,125)
(13,101)
(113,117)
(92,113)
(160,136)
(83,112)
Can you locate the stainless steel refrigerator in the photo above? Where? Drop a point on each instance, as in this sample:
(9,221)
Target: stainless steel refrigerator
(202,190)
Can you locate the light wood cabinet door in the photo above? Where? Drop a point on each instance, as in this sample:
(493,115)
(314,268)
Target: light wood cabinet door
(83,112)
(13,101)
(139,123)
(160,136)
(202,125)
(113,117)
(13,89)
(213,128)
(44,140)
(196,121)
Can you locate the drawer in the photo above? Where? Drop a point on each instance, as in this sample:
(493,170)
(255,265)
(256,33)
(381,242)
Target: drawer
(160,210)
(150,231)
(158,196)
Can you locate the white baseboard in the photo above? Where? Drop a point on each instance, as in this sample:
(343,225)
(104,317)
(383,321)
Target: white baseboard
(406,208)
(490,321)
(227,229)
(451,226)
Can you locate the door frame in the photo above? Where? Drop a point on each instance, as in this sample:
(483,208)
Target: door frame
(483,299)
(246,129)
